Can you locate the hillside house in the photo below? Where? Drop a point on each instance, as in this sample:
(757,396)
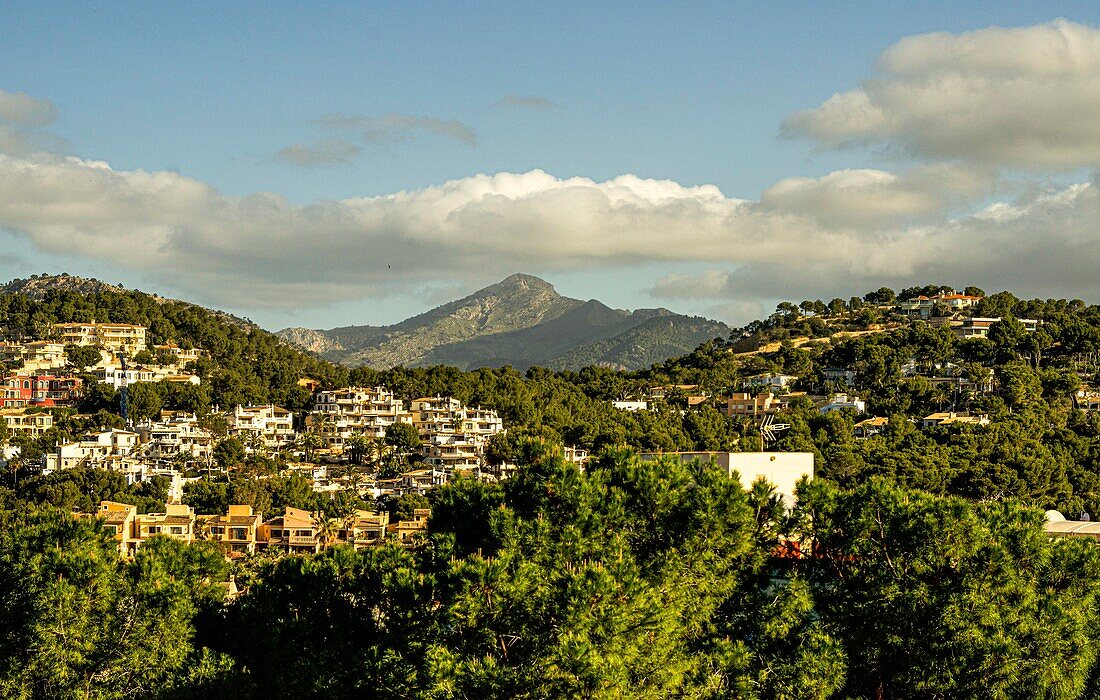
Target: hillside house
(20,422)
(923,306)
(116,337)
(979,327)
(177,522)
(295,531)
(839,402)
(746,405)
(237,531)
(341,414)
(771,382)
(273,425)
(869,427)
(953,418)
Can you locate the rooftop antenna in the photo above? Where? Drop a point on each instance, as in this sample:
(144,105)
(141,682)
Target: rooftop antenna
(769,430)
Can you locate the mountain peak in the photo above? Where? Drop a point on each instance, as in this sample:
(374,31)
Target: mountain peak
(521,280)
(520,321)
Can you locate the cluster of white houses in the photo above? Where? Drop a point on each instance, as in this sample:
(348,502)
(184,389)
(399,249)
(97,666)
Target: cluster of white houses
(453,438)
(453,435)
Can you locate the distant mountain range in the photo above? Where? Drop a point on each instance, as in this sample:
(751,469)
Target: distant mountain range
(521,321)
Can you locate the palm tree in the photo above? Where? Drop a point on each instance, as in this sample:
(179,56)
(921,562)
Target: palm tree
(358,447)
(202,529)
(349,528)
(327,528)
(309,443)
(255,443)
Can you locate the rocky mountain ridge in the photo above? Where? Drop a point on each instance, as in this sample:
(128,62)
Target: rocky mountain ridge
(520,321)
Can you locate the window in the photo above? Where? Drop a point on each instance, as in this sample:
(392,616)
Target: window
(176,530)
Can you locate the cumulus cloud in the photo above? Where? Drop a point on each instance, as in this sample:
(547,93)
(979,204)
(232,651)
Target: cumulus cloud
(262,250)
(393,127)
(876,198)
(1020,97)
(317,153)
(513,100)
(1042,244)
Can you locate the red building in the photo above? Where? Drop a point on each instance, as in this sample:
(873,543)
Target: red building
(40,390)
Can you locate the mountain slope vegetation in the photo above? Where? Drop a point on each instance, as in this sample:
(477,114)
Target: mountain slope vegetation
(521,322)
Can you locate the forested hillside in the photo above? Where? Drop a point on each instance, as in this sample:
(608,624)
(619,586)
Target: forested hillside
(629,579)
(915,565)
(245,364)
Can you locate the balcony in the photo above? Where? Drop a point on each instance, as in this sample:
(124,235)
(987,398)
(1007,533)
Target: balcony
(302,541)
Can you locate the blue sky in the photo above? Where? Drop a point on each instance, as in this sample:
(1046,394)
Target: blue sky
(694,94)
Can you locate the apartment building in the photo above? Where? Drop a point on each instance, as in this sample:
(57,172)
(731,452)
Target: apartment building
(177,522)
(21,390)
(174,435)
(453,451)
(20,422)
(116,337)
(272,424)
(436,415)
(445,415)
(90,450)
(295,531)
(341,414)
(237,531)
(36,355)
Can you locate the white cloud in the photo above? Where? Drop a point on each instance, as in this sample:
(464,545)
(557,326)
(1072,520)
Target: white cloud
(877,199)
(1044,244)
(1022,97)
(261,250)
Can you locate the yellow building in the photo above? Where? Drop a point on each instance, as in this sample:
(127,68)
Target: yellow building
(119,519)
(296,530)
(237,531)
(405,530)
(177,521)
(117,337)
(20,421)
(364,529)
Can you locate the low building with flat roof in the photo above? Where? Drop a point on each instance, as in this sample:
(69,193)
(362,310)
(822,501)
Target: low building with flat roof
(781,469)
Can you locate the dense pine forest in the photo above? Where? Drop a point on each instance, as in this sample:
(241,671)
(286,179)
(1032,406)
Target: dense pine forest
(914,566)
